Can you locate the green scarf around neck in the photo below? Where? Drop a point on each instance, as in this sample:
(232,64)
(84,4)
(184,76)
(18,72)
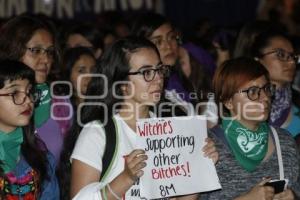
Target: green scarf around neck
(249,147)
(10,147)
(42,111)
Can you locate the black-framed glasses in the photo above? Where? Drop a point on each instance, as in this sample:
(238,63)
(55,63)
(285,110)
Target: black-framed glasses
(253,93)
(37,51)
(283,55)
(149,72)
(19,97)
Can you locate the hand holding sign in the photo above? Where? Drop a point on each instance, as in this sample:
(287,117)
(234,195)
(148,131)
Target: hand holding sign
(134,163)
(173,146)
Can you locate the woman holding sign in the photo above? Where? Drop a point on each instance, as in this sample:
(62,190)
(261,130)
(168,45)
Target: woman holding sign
(130,76)
(252,153)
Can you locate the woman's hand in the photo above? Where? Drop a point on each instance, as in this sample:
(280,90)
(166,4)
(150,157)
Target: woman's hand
(285,195)
(259,192)
(134,163)
(210,150)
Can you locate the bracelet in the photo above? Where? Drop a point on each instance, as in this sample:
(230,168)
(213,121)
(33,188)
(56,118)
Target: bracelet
(112,192)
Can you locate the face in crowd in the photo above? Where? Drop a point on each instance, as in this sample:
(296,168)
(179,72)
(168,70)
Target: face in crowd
(17,99)
(242,85)
(145,77)
(165,39)
(80,72)
(251,103)
(280,60)
(39,54)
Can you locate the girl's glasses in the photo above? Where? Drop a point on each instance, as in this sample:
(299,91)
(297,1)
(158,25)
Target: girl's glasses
(37,51)
(149,73)
(19,97)
(283,55)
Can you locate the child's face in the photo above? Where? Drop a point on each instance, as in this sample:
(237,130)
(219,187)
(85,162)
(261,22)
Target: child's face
(83,66)
(13,115)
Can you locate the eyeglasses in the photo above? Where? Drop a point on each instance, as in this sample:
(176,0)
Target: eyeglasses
(253,93)
(283,55)
(19,97)
(172,37)
(37,51)
(149,73)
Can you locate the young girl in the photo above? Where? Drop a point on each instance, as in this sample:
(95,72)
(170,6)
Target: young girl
(134,81)
(27,169)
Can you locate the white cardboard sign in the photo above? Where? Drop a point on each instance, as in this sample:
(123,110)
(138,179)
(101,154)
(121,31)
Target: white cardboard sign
(176,164)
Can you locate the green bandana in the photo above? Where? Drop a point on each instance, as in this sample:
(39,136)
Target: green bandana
(249,147)
(42,111)
(10,146)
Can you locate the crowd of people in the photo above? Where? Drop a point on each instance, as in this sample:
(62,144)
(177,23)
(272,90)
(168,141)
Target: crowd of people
(70,96)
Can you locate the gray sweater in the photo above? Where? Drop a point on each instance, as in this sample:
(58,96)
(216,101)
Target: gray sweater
(236,181)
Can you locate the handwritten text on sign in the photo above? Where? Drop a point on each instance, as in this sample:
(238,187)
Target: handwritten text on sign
(173,146)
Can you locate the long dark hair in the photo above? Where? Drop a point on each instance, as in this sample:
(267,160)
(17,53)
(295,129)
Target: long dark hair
(69,58)
(32,148)
(114,66)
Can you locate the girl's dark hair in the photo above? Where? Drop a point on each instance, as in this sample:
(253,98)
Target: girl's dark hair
(64,168)
(248,35)
(89,32)
(114,67)
(200,79)
(263,40)
(147,23)
(32,148)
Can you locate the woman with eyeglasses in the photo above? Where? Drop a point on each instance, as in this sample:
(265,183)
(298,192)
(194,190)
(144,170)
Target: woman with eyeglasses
(134,76)
(275,51)
(267,43)
(178,89)
(251,151)
(32,41)
(27,170)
